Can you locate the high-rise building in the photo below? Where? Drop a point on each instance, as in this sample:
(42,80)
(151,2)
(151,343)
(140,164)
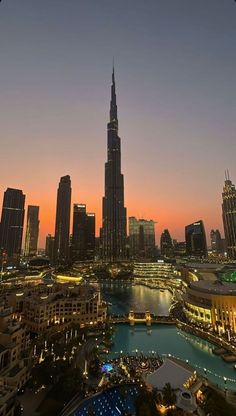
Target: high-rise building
(166,243)
(195,238)
(78,241)
(141,238)
(62,226)
(229,216)
(12,222)
(113,232)
(32,231)
(49,247)
(179,248)
(216,241)
(91,223)
(83,234)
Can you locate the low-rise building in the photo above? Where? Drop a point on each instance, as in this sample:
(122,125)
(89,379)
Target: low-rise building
(14,341)
(160,269)
(46,305)
(8,402)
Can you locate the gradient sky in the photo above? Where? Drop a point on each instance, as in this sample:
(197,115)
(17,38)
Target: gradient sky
(175,65)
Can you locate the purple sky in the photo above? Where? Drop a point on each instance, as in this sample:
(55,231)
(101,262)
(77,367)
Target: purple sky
(175,70)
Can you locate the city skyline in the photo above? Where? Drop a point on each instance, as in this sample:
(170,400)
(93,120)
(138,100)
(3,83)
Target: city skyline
(175,96)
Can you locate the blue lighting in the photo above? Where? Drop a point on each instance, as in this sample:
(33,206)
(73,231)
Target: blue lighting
(107,368)
(115,401)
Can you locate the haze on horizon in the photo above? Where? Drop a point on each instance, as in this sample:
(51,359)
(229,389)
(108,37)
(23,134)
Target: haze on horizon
(175,68)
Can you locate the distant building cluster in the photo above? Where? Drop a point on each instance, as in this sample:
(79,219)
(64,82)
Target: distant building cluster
(113,245)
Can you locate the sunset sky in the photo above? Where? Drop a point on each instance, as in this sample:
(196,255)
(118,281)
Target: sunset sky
(175,65)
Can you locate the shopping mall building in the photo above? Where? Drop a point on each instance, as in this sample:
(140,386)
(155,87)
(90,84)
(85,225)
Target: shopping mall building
(212,303)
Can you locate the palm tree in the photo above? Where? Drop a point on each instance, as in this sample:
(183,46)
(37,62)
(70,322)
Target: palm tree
(169,396)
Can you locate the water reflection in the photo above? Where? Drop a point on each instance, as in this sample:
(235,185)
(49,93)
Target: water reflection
(138,298)
(164,339)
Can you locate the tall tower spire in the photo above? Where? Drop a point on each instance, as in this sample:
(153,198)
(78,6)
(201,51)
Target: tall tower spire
(113,106)
(113,232)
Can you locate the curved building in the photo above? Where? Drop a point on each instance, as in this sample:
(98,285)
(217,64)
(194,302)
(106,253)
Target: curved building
(212,303)
(156,269)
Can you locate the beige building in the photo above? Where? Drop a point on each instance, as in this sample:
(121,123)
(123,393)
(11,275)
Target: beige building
(14,341)
(8,401)
(212,303)
(14,364)
(160,269)
(46,305)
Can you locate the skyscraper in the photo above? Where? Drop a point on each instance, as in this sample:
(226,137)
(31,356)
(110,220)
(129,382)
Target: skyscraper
(12,222)
(166,243)
(32,231)
(49,247)
(229,216)
(141,238)
(216,241)
(113,232)
(78,241)
(91,222)
(62,226)
(83,234)
(195,238)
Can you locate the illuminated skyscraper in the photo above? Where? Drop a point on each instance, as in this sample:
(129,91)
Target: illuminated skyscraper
(62,226)
(12,222)
(229,216)
(141,238)
(32,231)
(166,243)
(113,232)
(195,238)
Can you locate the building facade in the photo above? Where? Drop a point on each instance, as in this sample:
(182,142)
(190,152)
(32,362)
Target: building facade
(229,216)
(32,231)
(113,232)
(195,238)
(166,244)
(62,226)
(141,238)
(212,303)
(12,222)
(14,341)
(49,247)
(83,234)
(42,307)
(158,269)
(216,242)
(91,237)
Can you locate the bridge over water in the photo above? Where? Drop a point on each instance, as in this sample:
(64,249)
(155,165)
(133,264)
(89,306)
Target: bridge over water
(146,317)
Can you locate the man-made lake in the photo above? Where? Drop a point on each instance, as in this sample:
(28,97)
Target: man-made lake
(164,339)
(137,298)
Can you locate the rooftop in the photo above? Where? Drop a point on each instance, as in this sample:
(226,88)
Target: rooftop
(169,371)
(216,287)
